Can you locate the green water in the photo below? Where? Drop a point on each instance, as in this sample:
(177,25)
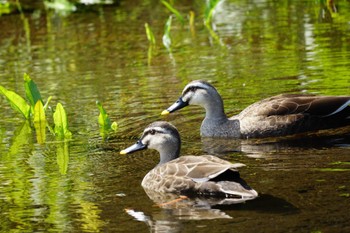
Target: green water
(255,49)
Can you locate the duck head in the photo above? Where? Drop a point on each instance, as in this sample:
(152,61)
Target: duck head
(197,92)
(161,136)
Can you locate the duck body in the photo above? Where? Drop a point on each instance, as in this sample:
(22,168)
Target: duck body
(203,175)
(280,115)
(193,175)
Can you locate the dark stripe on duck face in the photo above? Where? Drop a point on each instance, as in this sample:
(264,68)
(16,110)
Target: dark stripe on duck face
(192,89)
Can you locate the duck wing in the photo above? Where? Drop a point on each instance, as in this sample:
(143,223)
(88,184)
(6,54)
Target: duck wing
(287,104)
(204,175)
(293,113)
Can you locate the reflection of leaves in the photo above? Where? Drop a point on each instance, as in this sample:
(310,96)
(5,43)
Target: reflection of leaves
(62,157)
(16,102)
(21,137)
(40,122)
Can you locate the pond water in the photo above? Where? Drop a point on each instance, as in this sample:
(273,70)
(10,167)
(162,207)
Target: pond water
(253,49)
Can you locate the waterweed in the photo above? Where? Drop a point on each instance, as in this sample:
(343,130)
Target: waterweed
(106,127)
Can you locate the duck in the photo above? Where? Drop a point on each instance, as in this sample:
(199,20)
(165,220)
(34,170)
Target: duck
(190,175)
(276,116)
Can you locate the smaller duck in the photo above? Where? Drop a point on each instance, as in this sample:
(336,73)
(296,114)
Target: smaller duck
(204,175)
(280,115)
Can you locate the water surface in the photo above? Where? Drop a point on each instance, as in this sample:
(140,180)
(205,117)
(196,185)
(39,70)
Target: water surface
(254,49)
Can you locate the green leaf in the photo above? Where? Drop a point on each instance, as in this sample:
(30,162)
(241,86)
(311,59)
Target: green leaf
(150,35)
(32,92)
(47,102)
(174,11)
(17,102)
(166,36)
(209,10)
(40,122)
(115,126)
(103,118)
(61,123)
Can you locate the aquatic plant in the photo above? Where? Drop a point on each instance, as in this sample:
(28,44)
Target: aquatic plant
(105,122)
(166,37)
(150,35)
(35,110)
(174,11)
(209,10)
(61,123)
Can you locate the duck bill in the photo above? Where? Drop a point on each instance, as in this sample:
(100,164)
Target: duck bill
(175,106)
(136,147)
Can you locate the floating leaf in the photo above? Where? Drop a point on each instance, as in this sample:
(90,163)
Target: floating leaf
(174,11)
(150,35)
(40,122)
(16,102)
(61,123)
(32,92)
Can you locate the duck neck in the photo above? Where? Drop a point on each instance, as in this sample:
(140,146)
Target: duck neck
(214,109)
(169,151)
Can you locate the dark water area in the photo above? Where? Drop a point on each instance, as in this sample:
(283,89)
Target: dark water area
(253,49)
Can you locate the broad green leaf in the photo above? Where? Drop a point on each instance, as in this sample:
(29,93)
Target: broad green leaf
(16,102)
(40,122)
(32,92)
(150,35)
(62,153)
(61,123)
(174,11)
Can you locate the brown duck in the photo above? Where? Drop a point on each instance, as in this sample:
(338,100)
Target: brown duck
(204,175)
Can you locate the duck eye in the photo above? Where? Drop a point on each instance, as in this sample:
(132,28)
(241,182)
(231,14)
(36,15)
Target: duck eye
(152,131)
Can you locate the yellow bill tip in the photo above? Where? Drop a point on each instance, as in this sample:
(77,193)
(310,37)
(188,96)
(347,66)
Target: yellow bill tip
(123,152)
(165,112)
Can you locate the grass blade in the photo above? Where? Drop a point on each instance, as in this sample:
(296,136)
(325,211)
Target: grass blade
(61,123)
(17,102)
